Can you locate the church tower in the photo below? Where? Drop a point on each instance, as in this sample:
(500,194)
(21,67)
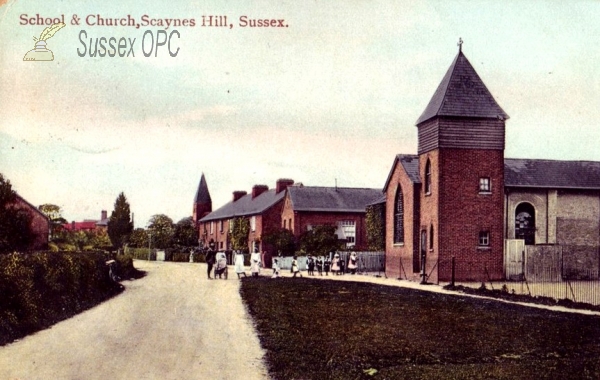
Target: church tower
(461,165)
(202,201)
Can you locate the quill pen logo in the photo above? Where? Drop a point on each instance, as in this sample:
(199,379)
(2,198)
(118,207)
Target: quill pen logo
(41,53)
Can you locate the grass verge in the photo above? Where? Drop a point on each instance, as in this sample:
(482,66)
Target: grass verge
(315,329)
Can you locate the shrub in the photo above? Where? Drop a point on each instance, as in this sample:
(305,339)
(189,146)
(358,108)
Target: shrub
(40,289)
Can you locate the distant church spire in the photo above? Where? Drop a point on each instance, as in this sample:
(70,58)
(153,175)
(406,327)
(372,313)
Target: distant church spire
(202,201)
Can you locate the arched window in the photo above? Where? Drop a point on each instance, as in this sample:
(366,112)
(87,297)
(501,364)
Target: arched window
(399,216)
(431,237)
(525,223)
(428,177)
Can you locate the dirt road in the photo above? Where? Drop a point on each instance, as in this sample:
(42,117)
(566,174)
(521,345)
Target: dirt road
(172,324)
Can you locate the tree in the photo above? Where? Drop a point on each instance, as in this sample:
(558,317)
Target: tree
(162,230)
(282,240)
(15,224)
(53,213)
(239,233)
(186,233)
(120,224)
(320,240)
(138,238)
(375,220)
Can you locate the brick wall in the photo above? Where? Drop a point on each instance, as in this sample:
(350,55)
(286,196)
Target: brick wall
(464,212)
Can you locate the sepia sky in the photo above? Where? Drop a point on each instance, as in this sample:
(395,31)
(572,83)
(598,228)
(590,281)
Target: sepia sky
(332,96)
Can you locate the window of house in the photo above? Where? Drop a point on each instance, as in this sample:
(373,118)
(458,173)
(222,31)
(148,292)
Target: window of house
(290,224)
(212,227)
(428,177)
(485,185)
(399,216)
(284,224)
(221,224)
(346,230)
(253,223)
(484,238)
(221,245)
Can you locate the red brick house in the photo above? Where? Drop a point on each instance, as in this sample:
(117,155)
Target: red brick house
(40,224)
(308,206)
(263,209)
(89,224)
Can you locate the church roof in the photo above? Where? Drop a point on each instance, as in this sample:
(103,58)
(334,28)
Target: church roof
(202,194)
(246,206)
(551,174)
(332,199)
(462,93)
(410,164)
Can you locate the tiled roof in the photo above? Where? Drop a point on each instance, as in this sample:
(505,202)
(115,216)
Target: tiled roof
(410,164)
(378,201)
(462,93)
(551,173)
(202,194)
(332,199)
(246,206)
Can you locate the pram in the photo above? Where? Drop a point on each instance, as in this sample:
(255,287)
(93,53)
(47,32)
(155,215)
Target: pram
(221,265)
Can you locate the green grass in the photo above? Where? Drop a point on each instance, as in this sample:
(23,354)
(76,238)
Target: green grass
(314,329)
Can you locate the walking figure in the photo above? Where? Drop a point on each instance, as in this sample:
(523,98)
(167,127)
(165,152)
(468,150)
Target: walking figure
(327,265)
(319,263)
(295,268)
(311,266)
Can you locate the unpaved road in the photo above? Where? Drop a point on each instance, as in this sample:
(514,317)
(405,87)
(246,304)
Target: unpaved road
(171,324)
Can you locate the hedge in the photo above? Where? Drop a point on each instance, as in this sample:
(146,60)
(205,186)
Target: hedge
(42,288)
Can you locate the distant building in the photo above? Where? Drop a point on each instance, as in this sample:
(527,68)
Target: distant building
(40,224)
(89,224)
(343,207)
(263,209)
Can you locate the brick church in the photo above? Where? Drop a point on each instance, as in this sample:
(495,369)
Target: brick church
(460,197)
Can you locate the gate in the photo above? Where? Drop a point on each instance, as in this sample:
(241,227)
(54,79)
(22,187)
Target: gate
(514,255)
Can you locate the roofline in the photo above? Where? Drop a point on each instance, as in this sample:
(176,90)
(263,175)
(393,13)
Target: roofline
(331,210)
(396,161)
(32,206)
(553,187)
(258,212)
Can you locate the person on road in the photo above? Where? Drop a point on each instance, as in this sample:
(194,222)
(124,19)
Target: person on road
(255,263)
(275,268)
(239,264)
(210,261)
(335,264)
(319,263)
(352,263)
(311,265)
(295,268)
(327,265)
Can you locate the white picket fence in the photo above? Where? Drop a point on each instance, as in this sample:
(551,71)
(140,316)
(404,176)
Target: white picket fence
(367,261)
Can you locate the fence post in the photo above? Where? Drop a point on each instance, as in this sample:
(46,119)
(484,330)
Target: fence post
(453,268)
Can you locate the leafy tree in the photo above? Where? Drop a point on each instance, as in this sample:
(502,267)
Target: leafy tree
(239,233)
(15,224)
(186,233)
(99,239)
(282,240)
(162,230)
(375,220)
(320,240)
(53,213)
(138,238)
(120,224)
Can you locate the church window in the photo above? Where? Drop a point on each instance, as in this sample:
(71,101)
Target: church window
(525,223)
(399,217)
(431,238)
(428,177)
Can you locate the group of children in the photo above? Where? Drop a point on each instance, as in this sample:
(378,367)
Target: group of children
(323,264)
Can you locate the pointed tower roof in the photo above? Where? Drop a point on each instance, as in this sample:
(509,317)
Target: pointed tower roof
(462,93)
(202,194)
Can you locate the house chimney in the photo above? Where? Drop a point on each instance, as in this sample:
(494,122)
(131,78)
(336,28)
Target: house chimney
(238,194)
(258,190)
(282,184)
(103,215)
